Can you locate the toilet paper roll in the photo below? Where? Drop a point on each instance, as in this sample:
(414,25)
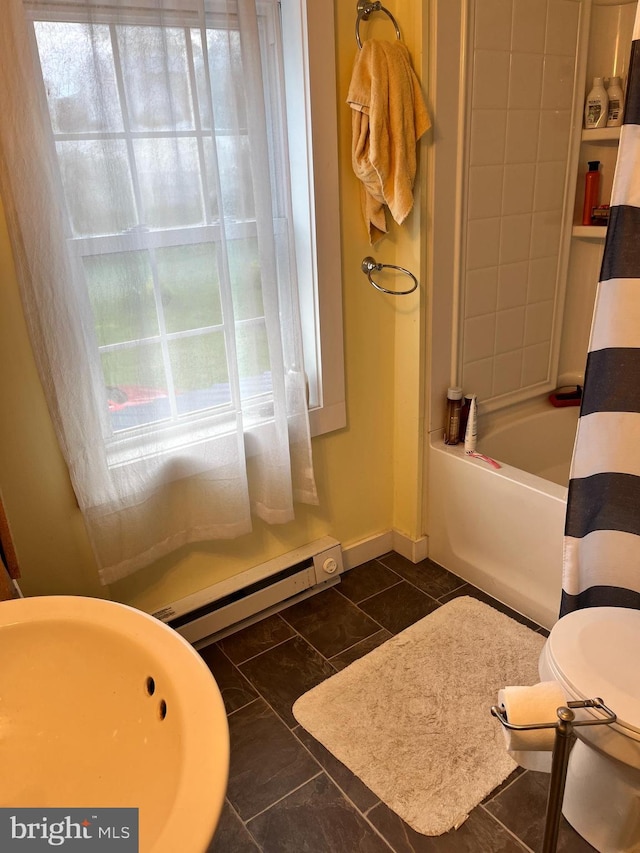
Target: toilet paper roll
(525,706)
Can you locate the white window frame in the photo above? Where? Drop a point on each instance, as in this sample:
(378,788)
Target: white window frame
(310,82)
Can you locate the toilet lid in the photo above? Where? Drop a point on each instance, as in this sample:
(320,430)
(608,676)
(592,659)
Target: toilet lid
(595,652)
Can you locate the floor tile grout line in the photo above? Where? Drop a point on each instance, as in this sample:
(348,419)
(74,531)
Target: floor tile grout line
(402,579)
(259,693)
(284,796)
(507,830)
(333,779)
(506,787)
(296,633)
(322,770)
(302,637)
(353,645)
(365,817)
(415,586)
(290,730)
(503,608)
(242,675)
(361,812)
(367,597)
(244,824)
(308,642)
(257,654)
(278,715)
(242,707)
(451,591)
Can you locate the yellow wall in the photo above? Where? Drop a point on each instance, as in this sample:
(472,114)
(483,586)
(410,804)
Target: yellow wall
(368,475)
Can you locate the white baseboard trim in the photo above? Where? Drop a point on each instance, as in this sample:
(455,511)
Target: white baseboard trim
(375,546)
(367,549)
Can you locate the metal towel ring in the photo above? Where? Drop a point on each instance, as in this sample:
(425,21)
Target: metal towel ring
(365,9)
(370,265)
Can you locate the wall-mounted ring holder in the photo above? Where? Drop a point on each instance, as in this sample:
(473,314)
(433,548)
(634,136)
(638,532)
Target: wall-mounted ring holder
(370,265)
(365,9)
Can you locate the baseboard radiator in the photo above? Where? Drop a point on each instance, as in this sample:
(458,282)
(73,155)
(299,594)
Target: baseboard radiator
(231,604)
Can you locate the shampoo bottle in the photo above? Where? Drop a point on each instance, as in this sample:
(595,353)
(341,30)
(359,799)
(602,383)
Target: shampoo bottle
(452,425)
(616,102)
(464,414)
(471,433)
(591,192)
(596,110)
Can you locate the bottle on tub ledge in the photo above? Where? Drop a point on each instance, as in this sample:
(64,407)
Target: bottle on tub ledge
(471,431)
(464,414)
(470,436)
(452,423)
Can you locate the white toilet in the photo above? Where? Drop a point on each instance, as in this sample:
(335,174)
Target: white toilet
(595,653)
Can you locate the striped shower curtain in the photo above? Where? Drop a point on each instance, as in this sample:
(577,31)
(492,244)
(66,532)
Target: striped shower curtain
(602,532)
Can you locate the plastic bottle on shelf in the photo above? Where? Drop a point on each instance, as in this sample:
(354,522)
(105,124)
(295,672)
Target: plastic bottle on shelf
(616,102)
(452,425)
(591,192)
(596,109)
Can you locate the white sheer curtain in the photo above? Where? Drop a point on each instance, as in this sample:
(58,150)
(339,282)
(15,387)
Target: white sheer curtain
(143,171)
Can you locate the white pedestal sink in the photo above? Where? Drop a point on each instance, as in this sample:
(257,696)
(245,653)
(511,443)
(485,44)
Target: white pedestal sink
(102,705)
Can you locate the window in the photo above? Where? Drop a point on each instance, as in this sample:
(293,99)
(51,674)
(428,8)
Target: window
(154,162)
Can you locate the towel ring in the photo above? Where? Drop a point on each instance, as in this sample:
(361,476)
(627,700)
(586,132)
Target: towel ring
(365,9)
(370,265)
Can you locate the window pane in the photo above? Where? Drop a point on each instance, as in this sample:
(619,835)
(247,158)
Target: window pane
(170,188)
(121,292)
(93,170)
(236,183)
(79,77)
(227,81)
(200,373)
(253,359)
(189,285)
(244,269)
(135,386)
(156,78)
(202,86)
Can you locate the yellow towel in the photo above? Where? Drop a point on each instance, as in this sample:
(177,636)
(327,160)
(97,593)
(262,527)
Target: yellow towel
(388,117)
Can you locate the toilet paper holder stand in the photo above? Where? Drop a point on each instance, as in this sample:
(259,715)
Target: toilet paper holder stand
(564,739)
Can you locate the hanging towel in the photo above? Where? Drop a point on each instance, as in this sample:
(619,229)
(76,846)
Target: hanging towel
(388,117)
(601,560)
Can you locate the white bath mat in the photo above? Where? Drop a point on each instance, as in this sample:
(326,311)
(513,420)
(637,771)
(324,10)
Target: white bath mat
(412,717)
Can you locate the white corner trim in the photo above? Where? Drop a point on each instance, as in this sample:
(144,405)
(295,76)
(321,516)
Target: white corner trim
(375,546)
(413,549)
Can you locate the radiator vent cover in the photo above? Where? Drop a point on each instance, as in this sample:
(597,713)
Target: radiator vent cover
(209,614)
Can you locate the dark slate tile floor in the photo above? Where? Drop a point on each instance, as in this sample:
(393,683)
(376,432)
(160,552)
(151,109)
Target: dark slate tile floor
(287,793)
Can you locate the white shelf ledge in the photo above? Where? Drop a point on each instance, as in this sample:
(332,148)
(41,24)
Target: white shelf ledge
(589,232)
(601,134)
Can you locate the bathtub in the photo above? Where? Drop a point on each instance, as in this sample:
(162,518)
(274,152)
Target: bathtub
(502,530)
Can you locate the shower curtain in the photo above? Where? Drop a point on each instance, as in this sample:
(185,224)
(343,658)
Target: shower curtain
(602,533)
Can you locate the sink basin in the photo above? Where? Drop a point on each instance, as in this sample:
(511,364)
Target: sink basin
(102,705)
